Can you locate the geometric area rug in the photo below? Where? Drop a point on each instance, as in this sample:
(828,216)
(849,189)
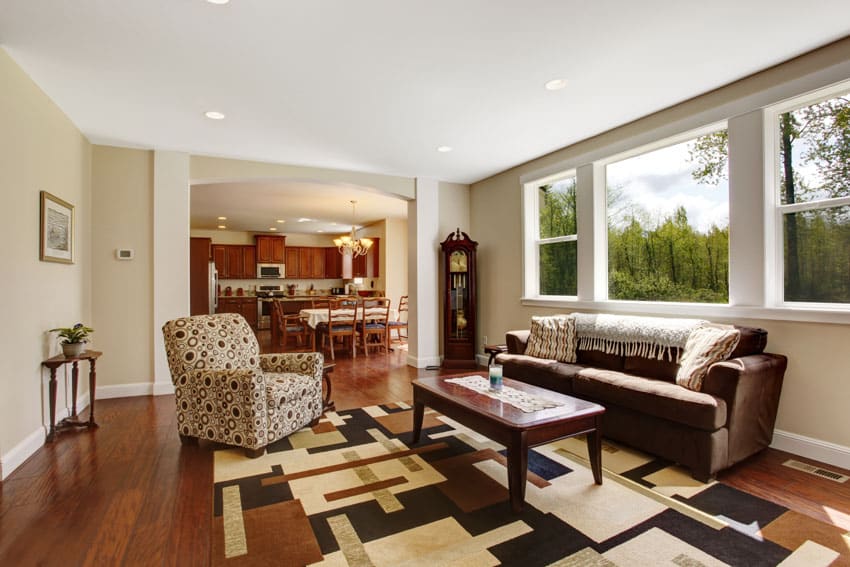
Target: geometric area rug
(354,491)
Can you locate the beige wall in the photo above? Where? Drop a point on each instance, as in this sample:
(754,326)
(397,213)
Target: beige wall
(40,149)
(122,203)
(395,259)
(816,389)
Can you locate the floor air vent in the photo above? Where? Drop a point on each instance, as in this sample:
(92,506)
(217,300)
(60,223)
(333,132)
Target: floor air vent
(817,471)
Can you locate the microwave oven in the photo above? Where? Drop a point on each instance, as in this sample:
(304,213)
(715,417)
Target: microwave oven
(277,271)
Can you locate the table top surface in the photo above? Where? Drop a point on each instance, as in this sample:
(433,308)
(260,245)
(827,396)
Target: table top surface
(62,359)
(503,412)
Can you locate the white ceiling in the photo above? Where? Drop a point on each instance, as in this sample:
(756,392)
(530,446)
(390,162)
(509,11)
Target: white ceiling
(256,207)
(377,85)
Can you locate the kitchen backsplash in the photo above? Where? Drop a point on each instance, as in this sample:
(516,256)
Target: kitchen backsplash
(303,285)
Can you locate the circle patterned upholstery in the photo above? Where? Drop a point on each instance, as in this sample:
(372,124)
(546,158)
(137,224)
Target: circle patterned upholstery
(227,392)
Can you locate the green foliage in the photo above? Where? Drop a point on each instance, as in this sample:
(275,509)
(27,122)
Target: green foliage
(79,333)
(710,153)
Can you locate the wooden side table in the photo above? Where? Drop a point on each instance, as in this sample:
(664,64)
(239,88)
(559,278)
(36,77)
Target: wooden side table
(493,350)
(73,421)
(327,403)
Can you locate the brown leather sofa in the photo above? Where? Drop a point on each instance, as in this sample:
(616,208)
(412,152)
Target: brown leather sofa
(730,419)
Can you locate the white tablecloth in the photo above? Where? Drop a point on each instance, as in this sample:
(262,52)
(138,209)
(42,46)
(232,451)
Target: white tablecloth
(320,315)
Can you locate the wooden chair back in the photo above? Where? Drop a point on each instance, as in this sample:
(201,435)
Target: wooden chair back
(373,323)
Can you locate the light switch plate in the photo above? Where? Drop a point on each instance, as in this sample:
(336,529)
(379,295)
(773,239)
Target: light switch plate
(124,253)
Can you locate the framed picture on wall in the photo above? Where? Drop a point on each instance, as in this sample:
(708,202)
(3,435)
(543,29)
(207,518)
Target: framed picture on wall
(57,230)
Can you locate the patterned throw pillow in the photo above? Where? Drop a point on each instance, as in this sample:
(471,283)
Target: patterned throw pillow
(706,345)
(553,338)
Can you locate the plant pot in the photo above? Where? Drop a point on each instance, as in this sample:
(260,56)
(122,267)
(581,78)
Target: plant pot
(73,349)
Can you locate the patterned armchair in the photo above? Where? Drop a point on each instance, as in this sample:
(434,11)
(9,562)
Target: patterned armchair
(226,391)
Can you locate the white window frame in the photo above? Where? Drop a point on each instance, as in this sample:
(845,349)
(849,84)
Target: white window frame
(775,288)
(531,231)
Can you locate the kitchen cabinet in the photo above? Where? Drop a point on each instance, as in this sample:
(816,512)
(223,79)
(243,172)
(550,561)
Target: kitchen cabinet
(199,276)
(317,263)
(368,266)
(270,249)
(333,263)
(305,262)
(245,306)
(234,261)
(293,268)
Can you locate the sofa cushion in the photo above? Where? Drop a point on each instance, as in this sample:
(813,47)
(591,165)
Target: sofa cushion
(705,346)
(651,368)
(753,341)
(599,359)
(553,337)
(546,373)
(653,397)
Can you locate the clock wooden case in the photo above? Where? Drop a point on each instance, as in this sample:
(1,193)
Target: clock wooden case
(459,301)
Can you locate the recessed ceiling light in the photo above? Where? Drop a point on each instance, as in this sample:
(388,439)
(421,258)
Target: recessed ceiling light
(556,84)
(280,221)
(271,228)
(320,230)
(221,226)
(222,218)
(219,2)
(444,149)
(304,220)
(214,115)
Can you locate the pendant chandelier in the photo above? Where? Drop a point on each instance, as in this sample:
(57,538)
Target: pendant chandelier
(350,244)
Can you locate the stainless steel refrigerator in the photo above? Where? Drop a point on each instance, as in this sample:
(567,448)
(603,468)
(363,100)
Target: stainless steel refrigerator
(213,291)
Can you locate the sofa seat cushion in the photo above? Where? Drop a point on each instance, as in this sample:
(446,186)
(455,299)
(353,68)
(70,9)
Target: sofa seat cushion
(284,389)
(543,372)
(654,397)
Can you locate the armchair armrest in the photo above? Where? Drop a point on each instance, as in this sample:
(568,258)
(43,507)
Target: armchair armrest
(517,341)
(751,386)
(311,363)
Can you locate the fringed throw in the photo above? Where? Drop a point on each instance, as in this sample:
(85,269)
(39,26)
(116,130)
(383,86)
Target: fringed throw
(648,337)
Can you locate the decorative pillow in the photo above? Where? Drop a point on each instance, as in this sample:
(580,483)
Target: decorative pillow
(553,338)
(705,346)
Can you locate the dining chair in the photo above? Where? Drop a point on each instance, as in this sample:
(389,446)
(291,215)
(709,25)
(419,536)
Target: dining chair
(400,323)
(373,323)
(341,323)
(295,334)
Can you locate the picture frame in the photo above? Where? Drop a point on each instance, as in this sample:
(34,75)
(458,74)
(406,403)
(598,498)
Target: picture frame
(56,237)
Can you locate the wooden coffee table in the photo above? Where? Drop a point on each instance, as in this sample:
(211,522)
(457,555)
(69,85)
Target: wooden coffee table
(510,426)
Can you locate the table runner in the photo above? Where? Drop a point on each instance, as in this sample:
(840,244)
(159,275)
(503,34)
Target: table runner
(517,398)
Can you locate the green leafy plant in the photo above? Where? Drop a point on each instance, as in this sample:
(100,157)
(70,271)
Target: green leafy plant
(79,333)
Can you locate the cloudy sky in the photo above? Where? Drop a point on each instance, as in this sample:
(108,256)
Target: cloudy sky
(660,181)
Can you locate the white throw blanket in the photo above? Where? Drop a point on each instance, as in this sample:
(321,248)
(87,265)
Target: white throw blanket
(649,337)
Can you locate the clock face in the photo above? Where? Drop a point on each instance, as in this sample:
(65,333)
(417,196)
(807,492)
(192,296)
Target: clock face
(457,262)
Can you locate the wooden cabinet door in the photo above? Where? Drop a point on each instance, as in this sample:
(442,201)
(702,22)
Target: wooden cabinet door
(317,256)
(270,249)
(333,263)
(228,305)
(219,254)
(358,266)
(249,261)
(235,267)
(373,263)
(292,264)
(305,262)
(248,309)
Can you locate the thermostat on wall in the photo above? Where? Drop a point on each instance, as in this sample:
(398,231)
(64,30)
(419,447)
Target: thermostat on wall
(124,253)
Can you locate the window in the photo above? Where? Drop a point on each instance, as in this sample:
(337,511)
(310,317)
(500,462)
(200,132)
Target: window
(668,223)
(557,237)
(813,162)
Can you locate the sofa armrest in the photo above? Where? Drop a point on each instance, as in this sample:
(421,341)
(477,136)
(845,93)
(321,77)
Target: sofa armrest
(311,363)
(751,386)
(517,341)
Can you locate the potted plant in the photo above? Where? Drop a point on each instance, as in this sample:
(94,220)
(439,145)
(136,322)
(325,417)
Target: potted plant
(74,338)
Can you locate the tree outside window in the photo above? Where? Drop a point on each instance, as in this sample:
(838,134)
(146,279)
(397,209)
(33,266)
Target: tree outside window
(557,240)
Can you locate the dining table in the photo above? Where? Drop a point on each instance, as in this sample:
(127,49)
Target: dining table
(314,316)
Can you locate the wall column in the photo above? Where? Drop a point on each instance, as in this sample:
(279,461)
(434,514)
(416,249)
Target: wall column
(170,252)
(422,274)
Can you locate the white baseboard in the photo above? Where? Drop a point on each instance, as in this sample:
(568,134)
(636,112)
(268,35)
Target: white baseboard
(163,388)
(424,361)
(21,452)
(124,390)
(823,451)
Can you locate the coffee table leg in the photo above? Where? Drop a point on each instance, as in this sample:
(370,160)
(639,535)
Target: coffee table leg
(517,469)
(594,450)
(418,415)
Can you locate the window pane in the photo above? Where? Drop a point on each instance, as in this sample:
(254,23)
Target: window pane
(817,255)
(668,223)
(557,208)
(558,268)
(814,152)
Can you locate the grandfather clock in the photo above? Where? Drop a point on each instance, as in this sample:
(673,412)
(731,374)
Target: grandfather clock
(459,301)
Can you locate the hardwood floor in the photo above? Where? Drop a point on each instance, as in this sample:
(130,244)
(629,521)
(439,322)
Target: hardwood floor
(129,493)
